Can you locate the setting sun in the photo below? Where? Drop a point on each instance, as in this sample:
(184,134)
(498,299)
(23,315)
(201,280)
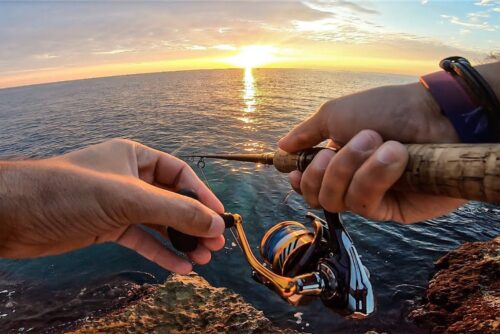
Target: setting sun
(253,56)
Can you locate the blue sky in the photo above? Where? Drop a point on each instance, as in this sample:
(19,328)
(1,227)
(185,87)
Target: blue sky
(60,40)
(466,24)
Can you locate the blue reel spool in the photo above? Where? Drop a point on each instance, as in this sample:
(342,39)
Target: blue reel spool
(284,244)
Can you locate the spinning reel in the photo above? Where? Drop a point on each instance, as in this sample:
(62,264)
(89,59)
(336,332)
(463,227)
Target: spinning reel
(300,262)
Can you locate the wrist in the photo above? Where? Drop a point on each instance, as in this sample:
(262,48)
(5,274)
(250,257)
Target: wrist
(467,98)
(433,126)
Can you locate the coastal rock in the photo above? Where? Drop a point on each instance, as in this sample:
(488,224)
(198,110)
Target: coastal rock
(464,295)
(184,304)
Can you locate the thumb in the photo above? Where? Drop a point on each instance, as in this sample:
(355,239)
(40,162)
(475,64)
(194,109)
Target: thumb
(182,213)
(310,132)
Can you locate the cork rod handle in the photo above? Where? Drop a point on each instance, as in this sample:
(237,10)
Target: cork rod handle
(456,170)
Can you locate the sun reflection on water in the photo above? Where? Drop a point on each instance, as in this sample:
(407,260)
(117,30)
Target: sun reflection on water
(249,91)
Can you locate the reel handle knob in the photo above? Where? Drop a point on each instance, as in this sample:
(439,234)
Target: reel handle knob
(181,241)
(187,243)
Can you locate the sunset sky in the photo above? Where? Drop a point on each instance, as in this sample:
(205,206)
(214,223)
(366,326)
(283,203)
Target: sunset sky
(62,40)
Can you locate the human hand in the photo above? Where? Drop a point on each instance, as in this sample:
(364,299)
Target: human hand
(102,193)
(358,178)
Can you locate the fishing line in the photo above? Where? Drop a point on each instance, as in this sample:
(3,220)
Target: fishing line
(201,166)
(174,152)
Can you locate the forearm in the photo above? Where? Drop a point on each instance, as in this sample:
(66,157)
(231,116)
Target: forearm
(8,193)
(21,195)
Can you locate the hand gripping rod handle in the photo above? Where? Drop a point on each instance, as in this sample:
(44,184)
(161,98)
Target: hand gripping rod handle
(468,171)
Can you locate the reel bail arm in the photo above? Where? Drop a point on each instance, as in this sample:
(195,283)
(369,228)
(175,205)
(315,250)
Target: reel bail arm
(285,286)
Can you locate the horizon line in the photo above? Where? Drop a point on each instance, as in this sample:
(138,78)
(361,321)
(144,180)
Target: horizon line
(201,69)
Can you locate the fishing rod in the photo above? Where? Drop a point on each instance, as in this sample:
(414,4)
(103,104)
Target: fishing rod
(300,262)
(467,171)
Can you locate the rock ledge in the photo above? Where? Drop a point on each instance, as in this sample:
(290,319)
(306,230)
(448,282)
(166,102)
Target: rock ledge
(464,295)
(185,304)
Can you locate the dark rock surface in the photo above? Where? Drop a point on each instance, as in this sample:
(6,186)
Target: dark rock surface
(184,304)
(464,295)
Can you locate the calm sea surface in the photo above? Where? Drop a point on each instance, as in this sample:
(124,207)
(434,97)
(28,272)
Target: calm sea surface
(212,111)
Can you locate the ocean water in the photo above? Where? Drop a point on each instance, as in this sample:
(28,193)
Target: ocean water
(211,111)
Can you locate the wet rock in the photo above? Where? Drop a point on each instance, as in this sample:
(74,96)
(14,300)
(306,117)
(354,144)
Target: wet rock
(184,304)
(464,295)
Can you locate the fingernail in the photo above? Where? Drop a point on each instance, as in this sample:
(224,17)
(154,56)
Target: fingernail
(362,142)
(216,227)
(387,155)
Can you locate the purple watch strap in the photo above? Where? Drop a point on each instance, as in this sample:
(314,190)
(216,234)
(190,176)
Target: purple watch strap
(468,117)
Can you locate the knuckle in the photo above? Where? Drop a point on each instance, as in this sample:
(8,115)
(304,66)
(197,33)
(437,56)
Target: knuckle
(120,141)
(327,106)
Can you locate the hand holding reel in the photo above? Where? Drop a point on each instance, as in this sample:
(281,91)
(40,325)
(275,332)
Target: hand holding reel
(300,262)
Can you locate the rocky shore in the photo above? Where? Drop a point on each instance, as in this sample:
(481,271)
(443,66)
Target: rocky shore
(184,304)
(464,295)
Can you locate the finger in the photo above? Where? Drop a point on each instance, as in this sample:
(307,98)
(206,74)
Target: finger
(160,229)
(367,194)
(136,239)
(213,244)
(312,177)
(342,168)
(310,132)
(294,178)
(161,207)
(189,180)
(174,173)
(201,255)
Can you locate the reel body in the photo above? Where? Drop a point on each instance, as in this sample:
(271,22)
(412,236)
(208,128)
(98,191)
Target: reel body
(322,261)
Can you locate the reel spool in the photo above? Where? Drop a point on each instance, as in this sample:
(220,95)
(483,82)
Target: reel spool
(284,244)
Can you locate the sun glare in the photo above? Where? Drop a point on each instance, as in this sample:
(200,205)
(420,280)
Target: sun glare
(253,56)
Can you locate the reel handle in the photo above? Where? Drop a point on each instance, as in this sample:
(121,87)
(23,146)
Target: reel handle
(181,241)
(187,243)
(465,171)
